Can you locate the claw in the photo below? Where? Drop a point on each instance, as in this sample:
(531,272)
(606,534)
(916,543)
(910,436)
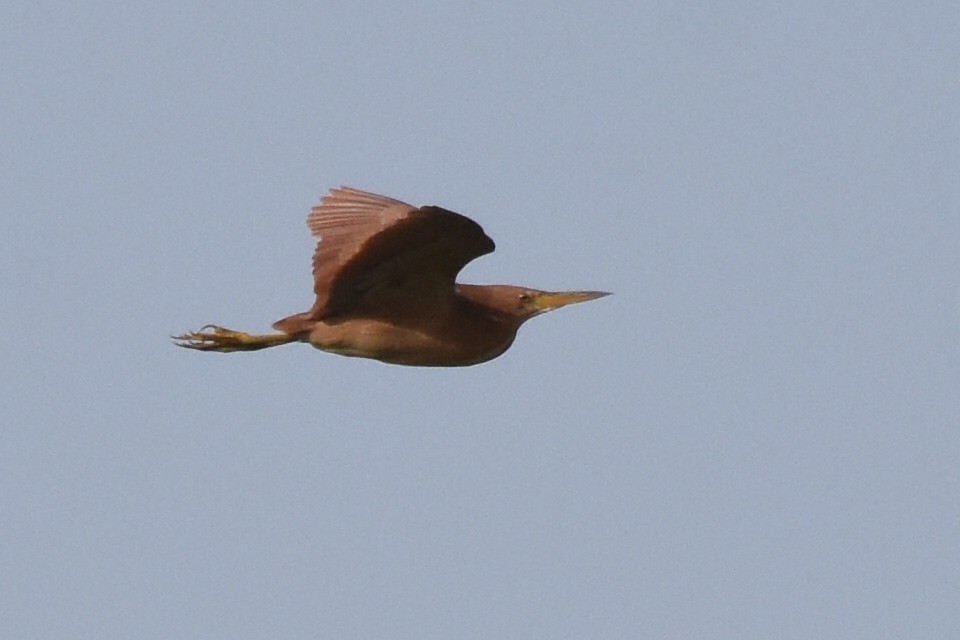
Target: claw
(209,337)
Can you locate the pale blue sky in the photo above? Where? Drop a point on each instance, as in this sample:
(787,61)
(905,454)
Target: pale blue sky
(757,436)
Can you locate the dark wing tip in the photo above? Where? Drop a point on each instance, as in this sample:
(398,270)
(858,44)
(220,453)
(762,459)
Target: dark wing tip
(464,228)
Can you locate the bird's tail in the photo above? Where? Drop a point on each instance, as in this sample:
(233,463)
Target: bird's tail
(296,325)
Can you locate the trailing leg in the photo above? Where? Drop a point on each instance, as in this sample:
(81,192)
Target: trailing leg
(214,338)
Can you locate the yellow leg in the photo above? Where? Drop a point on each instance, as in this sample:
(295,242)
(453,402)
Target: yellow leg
(214,338)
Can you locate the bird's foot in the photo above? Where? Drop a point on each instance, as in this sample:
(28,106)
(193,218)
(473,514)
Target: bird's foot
(214,338)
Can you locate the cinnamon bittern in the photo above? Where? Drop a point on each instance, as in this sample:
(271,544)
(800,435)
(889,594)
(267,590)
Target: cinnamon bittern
(385,279)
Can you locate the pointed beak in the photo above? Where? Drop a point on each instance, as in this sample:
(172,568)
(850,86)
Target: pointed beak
(548,301)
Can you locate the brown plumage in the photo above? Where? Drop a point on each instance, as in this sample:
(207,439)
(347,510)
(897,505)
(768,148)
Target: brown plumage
(385,283)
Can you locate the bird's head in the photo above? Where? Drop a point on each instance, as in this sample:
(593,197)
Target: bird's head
(519,303)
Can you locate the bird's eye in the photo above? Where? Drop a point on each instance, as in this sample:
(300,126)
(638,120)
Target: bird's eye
(524,297)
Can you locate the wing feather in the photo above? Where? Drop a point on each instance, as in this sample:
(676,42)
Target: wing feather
(375,251)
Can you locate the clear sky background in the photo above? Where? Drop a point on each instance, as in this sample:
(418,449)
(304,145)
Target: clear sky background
(757,436)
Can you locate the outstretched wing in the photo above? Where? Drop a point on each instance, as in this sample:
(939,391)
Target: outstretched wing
(375,251)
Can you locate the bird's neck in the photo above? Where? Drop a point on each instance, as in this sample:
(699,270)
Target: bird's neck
(486,300)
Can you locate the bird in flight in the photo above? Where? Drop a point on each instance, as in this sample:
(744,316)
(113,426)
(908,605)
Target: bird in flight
(385,282)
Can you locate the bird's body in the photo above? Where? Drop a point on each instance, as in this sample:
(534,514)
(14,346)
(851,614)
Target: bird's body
(457,330)
(384,279)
